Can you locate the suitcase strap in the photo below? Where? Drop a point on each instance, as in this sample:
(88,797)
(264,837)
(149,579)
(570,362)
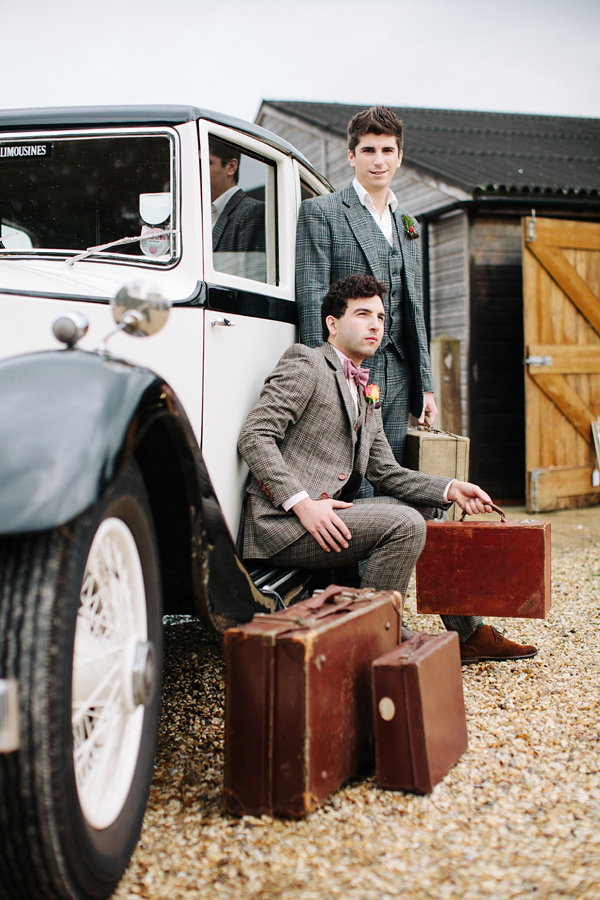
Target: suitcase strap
(497,509)
(324,603)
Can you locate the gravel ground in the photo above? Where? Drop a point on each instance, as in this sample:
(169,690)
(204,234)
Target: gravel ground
(517,817)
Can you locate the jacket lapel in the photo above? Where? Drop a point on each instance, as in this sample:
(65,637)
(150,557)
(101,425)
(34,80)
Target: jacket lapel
(224,217)
(343,390)
(361,227)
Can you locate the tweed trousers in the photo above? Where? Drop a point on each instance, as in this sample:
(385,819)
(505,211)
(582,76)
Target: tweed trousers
(389,537)
(385,532)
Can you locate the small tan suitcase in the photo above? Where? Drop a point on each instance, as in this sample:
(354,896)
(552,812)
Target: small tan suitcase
(438,453)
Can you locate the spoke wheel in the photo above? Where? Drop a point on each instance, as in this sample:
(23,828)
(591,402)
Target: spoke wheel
(110,632)
(81,631)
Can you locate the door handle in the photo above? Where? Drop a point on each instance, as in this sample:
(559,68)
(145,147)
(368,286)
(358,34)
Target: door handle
(223,321)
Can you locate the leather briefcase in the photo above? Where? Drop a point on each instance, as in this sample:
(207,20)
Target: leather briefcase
(298,717)
(418,712)
(437,453)
(486,568)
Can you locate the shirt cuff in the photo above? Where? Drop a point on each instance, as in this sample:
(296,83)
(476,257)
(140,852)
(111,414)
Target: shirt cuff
(446,491)
(295,498)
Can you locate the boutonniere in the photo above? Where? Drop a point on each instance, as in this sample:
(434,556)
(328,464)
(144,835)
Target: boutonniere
(372,395)
(412,229)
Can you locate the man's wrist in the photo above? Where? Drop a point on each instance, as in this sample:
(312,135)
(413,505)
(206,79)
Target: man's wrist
(448,486)
(295,498)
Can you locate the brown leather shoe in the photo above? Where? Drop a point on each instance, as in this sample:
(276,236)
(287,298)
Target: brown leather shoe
(488,643)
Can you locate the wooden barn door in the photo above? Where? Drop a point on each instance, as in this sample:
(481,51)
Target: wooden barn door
(561,291)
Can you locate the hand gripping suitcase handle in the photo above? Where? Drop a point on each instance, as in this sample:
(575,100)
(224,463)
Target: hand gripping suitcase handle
(494,507)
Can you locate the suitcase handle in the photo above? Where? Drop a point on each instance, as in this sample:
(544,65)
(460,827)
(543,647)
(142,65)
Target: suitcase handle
(328,597)
(494,507)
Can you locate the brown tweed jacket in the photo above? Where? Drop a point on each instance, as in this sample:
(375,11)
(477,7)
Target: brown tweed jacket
(304,434)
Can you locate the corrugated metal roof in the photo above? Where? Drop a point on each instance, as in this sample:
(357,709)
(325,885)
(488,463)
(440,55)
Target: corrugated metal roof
(485,152)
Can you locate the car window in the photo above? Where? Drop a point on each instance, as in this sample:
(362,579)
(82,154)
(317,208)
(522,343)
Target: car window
(306,190)
(243,212)
(68,193)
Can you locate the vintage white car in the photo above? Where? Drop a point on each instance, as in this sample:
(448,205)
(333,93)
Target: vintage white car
(120,482)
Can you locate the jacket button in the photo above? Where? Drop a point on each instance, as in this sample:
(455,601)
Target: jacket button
(324,496)
(341,476)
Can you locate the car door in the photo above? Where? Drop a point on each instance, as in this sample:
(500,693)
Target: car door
(250,315)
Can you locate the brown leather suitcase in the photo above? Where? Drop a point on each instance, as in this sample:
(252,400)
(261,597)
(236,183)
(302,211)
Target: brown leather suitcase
(418,712)
(298,717)
(486,568)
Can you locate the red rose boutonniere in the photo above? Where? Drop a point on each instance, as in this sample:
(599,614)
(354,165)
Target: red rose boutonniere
(412,229)
(372,395)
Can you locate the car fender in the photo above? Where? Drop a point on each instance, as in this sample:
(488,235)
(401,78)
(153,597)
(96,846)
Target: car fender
(69,420)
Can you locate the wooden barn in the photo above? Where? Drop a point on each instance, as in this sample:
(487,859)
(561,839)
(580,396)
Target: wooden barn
(509,206)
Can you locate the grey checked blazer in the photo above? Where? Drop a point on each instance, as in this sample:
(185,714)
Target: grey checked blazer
(241,225)
(304,434)
(335,238)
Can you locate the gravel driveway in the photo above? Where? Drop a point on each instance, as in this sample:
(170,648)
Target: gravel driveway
(517,817)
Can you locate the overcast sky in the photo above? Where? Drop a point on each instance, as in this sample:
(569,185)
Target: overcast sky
(537,56)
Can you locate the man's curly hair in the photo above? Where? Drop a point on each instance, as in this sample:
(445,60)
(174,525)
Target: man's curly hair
(353,287)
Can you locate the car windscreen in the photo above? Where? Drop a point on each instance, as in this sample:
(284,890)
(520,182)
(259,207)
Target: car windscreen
(70,193)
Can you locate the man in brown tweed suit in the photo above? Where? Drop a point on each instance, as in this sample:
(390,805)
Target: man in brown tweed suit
(309,442)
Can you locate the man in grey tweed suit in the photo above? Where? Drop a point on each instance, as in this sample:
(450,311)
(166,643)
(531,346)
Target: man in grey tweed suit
(362,230)
(310,441)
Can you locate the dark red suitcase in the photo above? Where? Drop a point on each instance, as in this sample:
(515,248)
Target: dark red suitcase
(486,569)
(418,712)
(298,716)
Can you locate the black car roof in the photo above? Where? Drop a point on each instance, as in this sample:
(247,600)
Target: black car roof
(82,116)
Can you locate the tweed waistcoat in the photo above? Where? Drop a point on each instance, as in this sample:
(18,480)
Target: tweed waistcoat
(391,265)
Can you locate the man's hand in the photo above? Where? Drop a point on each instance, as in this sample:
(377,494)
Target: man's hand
(319,518)
(470,497)
(430,409)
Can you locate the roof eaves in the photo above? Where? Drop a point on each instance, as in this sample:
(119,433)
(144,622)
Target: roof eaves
(527,190)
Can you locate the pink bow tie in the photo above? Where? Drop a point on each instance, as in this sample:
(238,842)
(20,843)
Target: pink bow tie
(358,373)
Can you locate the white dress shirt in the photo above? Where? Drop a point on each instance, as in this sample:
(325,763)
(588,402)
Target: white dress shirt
(217,207)
(385,221)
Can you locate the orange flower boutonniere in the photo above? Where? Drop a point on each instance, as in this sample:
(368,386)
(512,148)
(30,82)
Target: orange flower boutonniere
(372,395)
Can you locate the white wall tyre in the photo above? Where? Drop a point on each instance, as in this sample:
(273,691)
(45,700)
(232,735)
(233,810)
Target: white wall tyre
(81,631)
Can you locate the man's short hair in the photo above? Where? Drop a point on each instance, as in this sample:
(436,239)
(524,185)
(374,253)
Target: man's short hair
(375,120)
(225,152)
(353,287)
